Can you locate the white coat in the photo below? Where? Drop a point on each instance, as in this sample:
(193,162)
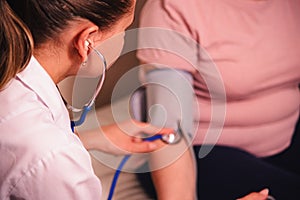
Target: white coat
(40,157)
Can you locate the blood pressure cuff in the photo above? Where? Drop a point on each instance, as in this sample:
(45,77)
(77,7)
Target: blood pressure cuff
(166,98)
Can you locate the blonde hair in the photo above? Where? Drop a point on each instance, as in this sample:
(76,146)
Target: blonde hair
(16,44)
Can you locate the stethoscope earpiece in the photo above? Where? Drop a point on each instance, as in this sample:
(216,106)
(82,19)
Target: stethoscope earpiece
(87,43)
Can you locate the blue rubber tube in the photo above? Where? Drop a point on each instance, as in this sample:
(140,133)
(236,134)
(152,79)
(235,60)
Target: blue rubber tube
(116,176)
(123,162)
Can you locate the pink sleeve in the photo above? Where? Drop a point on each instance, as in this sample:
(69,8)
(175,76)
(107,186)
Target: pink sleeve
(164,38)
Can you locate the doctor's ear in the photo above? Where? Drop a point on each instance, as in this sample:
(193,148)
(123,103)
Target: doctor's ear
(84,41)
(84,47)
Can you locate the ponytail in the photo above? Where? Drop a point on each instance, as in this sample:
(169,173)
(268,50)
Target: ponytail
(16,44)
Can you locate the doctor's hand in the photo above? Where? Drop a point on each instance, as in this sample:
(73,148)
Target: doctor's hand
(123,138)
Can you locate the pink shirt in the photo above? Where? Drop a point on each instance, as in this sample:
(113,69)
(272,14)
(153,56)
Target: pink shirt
(40,156)
(255,47)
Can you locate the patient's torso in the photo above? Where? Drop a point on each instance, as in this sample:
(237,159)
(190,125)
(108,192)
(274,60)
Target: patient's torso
(255,47)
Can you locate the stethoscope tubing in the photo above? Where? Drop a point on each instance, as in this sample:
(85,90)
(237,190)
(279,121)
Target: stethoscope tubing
(123,162)
(91,102)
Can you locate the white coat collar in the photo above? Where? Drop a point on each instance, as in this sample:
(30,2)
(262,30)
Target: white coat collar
(36,78)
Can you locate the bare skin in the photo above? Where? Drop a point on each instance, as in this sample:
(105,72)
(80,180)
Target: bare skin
(262,195)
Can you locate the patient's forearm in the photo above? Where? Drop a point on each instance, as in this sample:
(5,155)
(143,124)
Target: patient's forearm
(176,181)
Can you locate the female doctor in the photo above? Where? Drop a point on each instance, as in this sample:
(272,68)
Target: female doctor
(43,42)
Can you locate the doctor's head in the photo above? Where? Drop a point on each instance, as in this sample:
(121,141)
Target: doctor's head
(59,33)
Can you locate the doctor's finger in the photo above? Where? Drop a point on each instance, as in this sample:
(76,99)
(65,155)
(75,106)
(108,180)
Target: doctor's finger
(143,147)
(151,129)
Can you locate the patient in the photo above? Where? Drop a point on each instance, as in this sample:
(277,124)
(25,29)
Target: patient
(246,88)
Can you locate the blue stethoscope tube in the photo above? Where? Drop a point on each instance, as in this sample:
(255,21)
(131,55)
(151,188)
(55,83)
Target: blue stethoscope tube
(116,176)
(123,162)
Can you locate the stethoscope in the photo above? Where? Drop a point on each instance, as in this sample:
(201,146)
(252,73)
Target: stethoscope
(171,138)
(89,105)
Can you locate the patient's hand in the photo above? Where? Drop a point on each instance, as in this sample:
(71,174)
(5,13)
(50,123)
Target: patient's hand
(122,138)
(262,195)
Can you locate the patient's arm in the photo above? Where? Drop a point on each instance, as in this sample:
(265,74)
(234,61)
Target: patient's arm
(169,101)
(176,180)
